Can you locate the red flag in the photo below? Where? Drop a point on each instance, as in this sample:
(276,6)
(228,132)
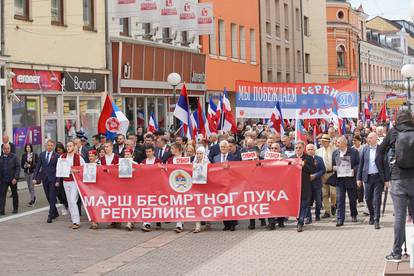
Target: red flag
(105,114)
(382,117)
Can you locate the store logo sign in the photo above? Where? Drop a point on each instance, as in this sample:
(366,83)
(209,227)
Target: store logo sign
(28,79)
(83,82)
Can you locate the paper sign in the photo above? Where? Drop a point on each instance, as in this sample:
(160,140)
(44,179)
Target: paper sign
(89,173)
(63,167)
(125,168)
(252,155)
(182,160)
(199,173)
(272,155)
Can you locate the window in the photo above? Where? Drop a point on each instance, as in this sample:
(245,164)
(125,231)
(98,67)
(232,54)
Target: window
(267,9)
(242,43)
(287,61)
(252,45)
(185,39)
(222,38)
(268,29)
(277,31)
(21,9)
(212,43)
(278,56)
(234,52)
(299,60)
(340,15)
(307,64)
(269,55)
(124,22)
(166,35)
(287,77)
(57,12)
(279,76)
(147,30)
(306,26)
(286,13)
(297,17)
(88,15)
(269,75)
(286,34)
(340,56)
(277,11)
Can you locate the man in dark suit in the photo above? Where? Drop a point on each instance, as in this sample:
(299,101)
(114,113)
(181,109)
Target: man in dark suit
(308,168)
(222,157)
(316,184)
(7,141)
(214,147)
(10,170)
(373,172)
(234,149)
(46,172)
(119,147)
(163,151)
(345,184)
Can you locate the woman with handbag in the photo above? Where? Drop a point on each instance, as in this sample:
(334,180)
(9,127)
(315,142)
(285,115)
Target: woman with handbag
(28,164)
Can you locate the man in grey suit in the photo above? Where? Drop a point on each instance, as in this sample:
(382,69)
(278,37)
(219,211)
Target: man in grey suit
(373,172)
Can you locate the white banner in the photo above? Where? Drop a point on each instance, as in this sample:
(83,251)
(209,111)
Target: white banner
(188,17)
(205,19)
(148,11)
(169,13)
(124,8)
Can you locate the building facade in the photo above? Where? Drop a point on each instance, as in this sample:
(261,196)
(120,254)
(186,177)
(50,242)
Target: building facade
(315,41)
(346,26)
(233,52)
(281,41)
(56,67)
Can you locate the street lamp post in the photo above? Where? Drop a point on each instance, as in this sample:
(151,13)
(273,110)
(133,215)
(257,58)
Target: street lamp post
(407,71)
(174,79)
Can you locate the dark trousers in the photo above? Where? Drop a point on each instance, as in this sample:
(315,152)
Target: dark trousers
(230,223)
(304,205)
(360,194)
(402,193)
(50,192)
(4,187)
(317,198)
(274,220)
(341,191)
(373,193)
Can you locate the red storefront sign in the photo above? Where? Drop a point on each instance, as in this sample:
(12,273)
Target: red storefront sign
(162,193)
(27,79)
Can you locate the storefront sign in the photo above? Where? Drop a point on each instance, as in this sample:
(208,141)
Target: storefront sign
(242,191)
(27,79)
(396,100)
(83,82)
(297,100)
(27,135)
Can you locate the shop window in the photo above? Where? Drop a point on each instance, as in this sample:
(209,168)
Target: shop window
(151,107)
(161,106)
(124,22)
(69,106)
(89,110)
(141,112)
(129,113)
(70,129)
(50,105)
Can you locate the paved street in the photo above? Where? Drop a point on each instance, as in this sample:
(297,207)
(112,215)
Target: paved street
(323,249)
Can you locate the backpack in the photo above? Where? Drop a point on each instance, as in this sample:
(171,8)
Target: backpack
(404,149)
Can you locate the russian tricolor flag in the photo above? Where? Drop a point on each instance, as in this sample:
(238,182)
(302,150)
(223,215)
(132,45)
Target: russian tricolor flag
(182,113)
(112,121)
(152,124)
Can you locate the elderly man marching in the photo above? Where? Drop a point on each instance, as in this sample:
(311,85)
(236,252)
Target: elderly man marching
(329,192)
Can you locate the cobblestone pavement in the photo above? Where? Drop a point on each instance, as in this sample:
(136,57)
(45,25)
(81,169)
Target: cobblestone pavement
(30,246)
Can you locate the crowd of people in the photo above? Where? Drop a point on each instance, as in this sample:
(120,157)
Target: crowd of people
(322,186)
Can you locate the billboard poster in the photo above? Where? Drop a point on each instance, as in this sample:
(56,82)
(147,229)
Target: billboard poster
(27,135)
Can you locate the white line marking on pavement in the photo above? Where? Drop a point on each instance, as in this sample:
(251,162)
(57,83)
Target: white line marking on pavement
(27,213)
(130,255)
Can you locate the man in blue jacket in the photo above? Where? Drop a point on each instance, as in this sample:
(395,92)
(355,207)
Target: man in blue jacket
(316,184)
(374,172)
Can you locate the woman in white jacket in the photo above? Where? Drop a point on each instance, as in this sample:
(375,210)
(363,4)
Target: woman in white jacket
(200,158)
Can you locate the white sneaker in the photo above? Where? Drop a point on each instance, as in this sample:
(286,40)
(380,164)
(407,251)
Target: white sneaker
(64,212)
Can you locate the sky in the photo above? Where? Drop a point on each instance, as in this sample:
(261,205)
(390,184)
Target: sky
(390,9)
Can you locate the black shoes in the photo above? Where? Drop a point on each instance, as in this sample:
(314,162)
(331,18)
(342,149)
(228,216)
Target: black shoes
(2,213)
(281,224)
(339,224)
(318,219)
(300,228)
(393,257)
(49,220)
(308,221)
(333,210)
(233,228)
(252,226)
(271,226)
(371,221)
(326,215)
(377,225)
(354,219)
(262,222)
(226,228)
(15,211)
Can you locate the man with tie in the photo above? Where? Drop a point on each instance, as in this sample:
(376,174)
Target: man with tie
(214,147)
(374,173)
(222,157)
(46,172)
(163,151)
(316,184)
(10,170)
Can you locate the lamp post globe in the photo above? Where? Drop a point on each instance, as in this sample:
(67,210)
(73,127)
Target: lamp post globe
(407,72)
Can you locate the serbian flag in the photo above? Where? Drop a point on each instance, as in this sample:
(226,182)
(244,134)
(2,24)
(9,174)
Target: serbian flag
(367,108)
(276,120)
(152,124)
(112,121)
(182,113)
(202,122)
(212,116)
(227,120)
(315,135)
(383,116)
(300,131)
(335,117)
